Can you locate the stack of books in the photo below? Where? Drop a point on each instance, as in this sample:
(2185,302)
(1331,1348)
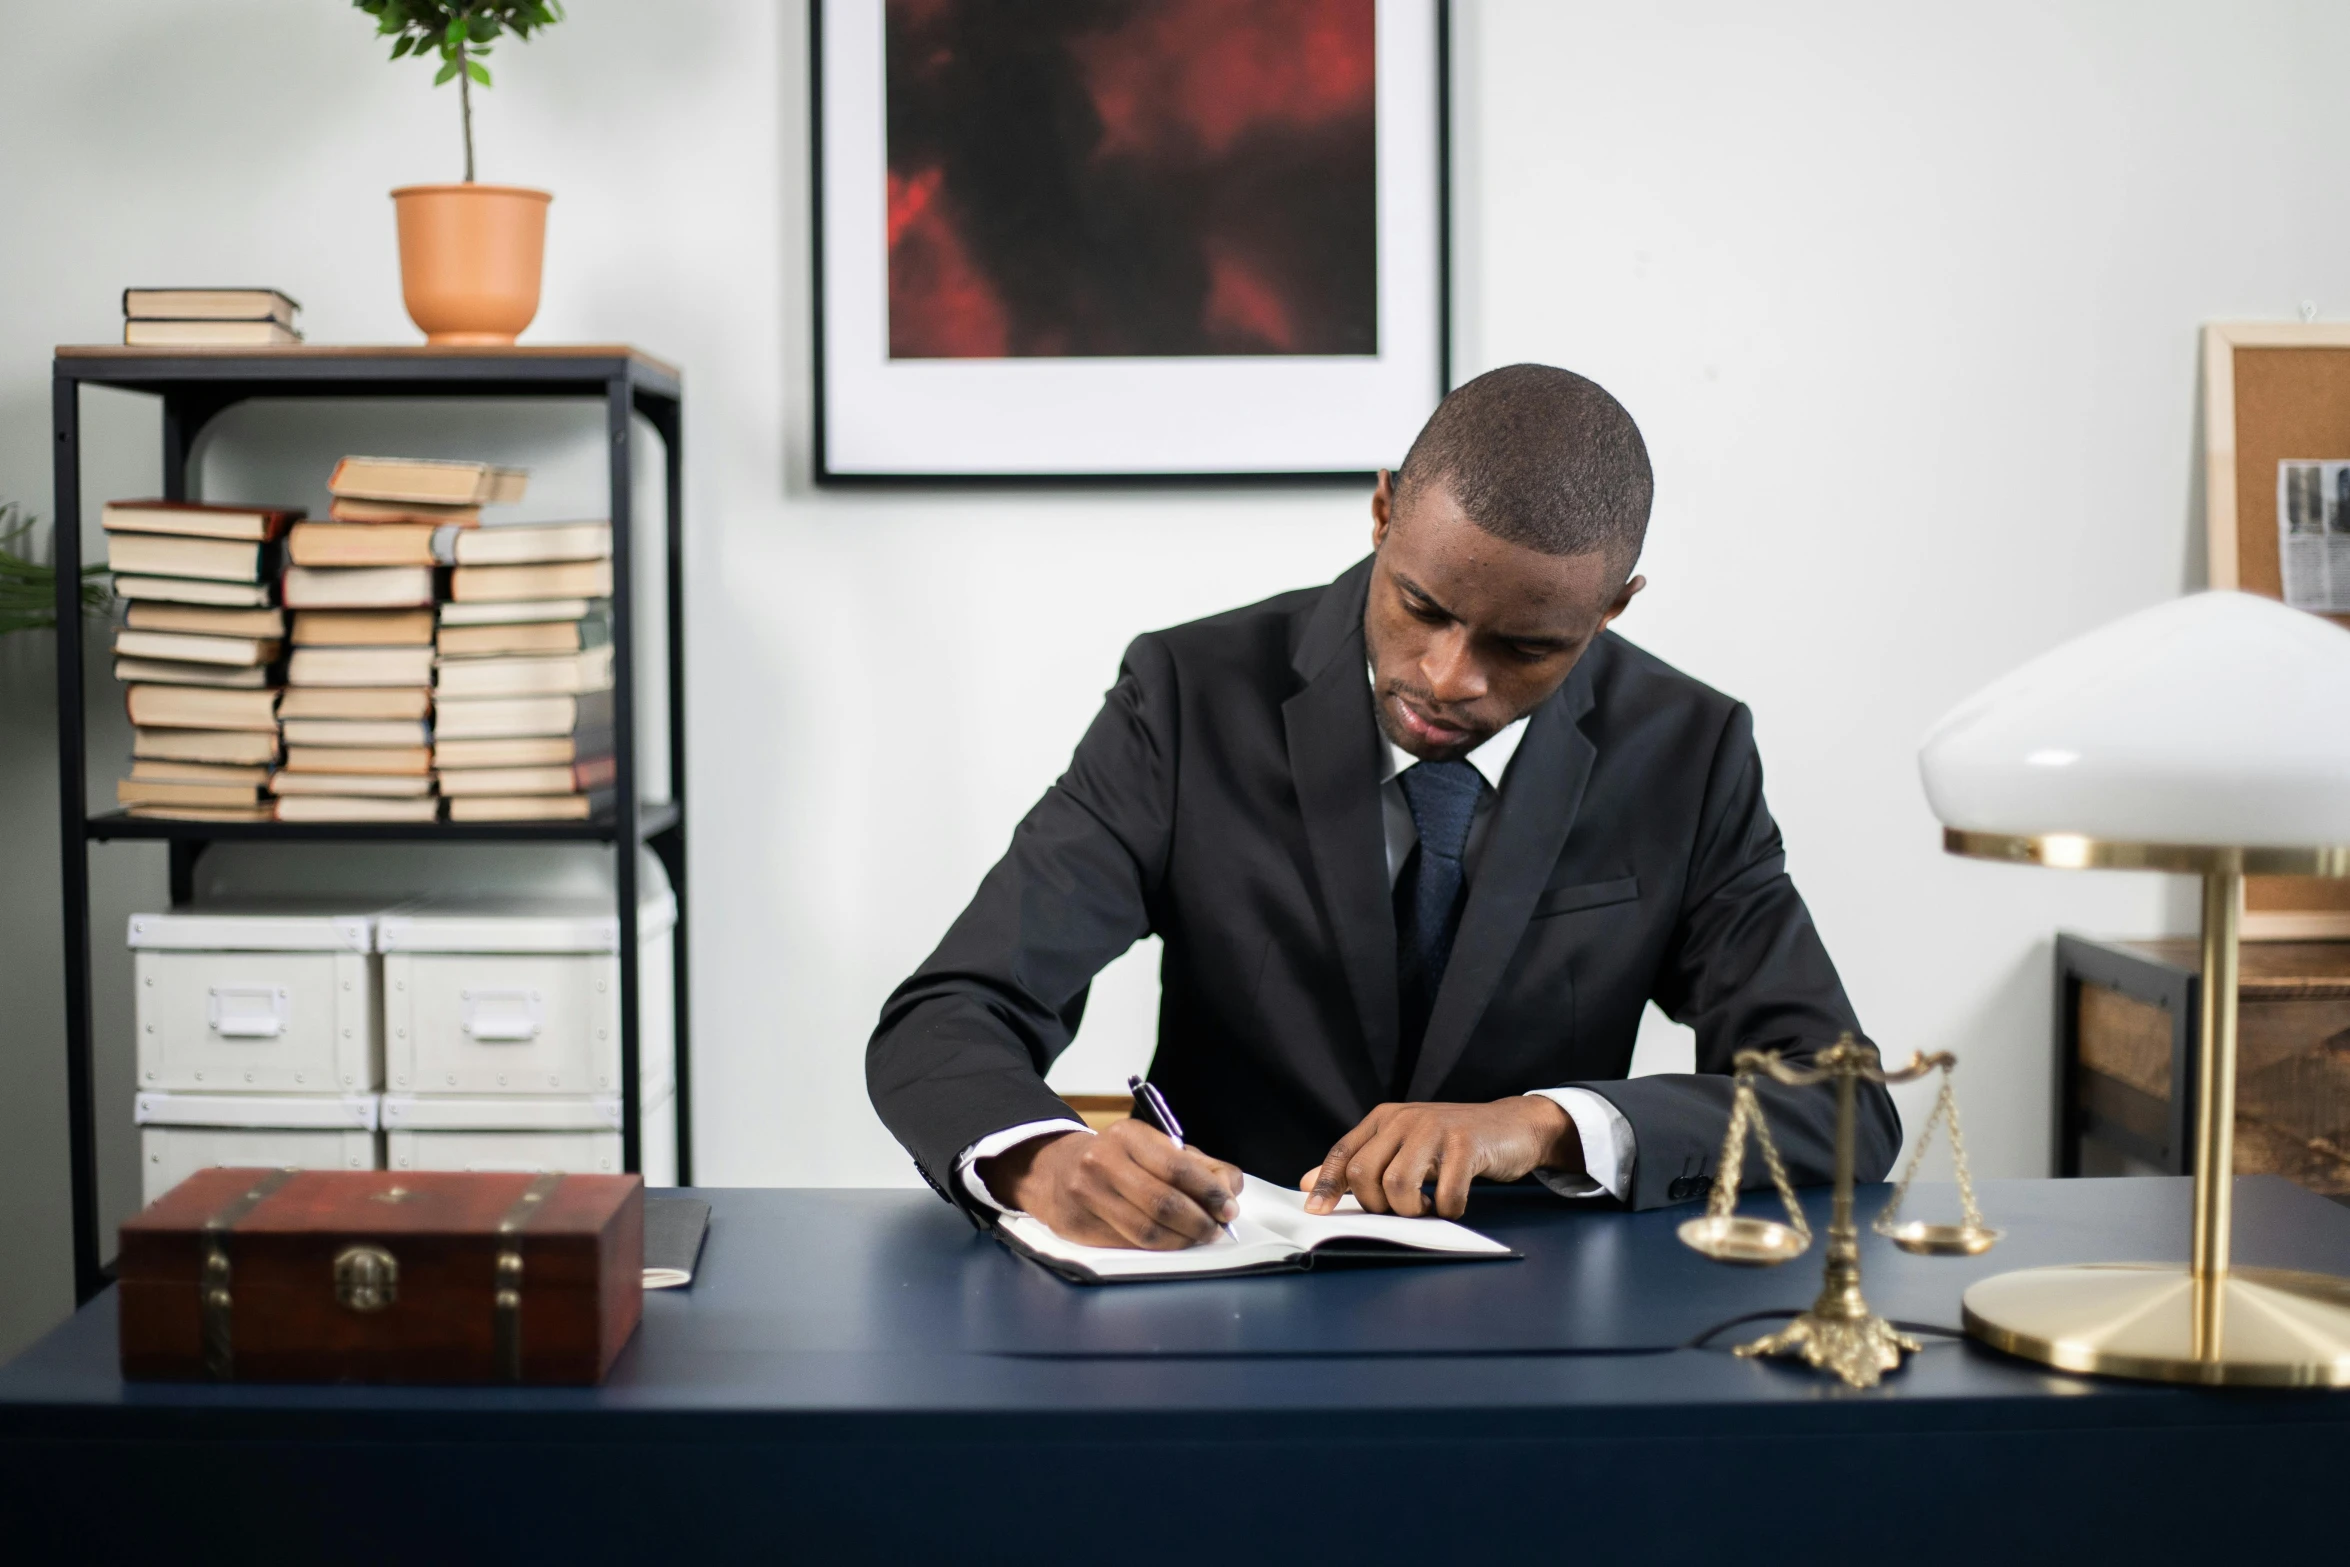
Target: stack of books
(522,684)
(198,649)
(362,587)
(208,317)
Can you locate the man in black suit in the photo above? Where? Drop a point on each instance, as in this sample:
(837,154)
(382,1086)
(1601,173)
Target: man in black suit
(1421,845)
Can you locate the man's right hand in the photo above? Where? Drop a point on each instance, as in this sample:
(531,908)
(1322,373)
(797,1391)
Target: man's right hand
(1126,1186)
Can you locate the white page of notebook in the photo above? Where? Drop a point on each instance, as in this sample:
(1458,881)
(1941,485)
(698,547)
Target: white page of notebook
(1273,1227)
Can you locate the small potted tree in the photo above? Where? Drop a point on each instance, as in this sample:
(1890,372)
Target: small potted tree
(469,253)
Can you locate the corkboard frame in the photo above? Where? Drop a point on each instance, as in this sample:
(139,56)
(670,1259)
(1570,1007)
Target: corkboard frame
(2272,391)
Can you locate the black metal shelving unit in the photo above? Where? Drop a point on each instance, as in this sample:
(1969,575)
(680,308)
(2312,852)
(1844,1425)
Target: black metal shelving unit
(195,386)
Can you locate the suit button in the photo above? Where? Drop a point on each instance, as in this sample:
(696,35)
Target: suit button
(1690,1187)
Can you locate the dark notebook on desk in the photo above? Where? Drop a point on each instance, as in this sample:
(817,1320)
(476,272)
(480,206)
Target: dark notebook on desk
(1274,1234)
(674,1227)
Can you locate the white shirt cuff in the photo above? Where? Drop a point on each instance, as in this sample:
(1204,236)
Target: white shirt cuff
(997,1142)
(1609,1146)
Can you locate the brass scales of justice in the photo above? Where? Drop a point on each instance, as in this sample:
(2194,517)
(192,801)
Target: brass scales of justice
(1839,1334)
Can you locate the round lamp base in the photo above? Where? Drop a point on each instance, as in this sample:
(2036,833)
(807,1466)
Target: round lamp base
(2138,1319)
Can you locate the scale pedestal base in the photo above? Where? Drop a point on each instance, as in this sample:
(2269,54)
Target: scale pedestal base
(1859,1349)
(2264,1327)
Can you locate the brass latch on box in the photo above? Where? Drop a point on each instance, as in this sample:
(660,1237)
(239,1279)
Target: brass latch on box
(367,1278)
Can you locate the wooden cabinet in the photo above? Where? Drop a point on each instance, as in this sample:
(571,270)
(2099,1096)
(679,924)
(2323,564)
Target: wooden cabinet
(2126,1034)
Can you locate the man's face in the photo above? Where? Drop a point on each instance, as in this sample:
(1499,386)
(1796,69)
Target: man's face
(1467,632)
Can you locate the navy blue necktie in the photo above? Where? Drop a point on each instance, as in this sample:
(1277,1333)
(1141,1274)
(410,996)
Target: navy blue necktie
(1428,897)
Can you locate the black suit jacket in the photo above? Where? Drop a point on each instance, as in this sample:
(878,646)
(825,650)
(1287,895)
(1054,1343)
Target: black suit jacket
(1227,800)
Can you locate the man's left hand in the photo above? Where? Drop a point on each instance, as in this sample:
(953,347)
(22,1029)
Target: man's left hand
(1398,1148)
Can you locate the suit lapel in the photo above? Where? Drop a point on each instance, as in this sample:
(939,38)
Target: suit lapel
(1333,740)
(1542,792)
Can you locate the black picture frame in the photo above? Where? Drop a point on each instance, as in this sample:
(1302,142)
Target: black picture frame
(828,472)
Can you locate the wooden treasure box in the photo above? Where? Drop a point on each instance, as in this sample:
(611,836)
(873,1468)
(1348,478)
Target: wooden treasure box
(373,1276)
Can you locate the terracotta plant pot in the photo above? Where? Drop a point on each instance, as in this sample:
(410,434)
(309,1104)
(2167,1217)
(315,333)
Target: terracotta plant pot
(469,259)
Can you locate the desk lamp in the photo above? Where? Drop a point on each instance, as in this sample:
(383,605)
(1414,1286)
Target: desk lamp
(2209,735)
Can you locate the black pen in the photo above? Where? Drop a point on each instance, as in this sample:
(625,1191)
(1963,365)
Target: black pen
(1150,1108)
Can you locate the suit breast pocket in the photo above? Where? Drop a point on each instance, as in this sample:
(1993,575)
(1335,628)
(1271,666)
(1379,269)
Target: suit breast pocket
(1587,895)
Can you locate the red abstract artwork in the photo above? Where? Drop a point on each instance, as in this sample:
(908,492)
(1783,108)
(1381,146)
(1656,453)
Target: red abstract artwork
(1076,178)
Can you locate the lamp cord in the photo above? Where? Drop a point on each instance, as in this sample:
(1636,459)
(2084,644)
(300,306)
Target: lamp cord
(1703,1339)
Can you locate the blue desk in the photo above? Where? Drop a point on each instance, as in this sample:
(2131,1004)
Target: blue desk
(857,1376)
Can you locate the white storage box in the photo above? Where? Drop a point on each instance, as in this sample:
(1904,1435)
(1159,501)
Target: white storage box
(577,1153)
(513,1133)
(180,1134)
(256,1001)
(476,1113)
(522,999)
(285,1112)
(168,1155)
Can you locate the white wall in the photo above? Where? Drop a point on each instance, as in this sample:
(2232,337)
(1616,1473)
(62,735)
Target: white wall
(1905,298)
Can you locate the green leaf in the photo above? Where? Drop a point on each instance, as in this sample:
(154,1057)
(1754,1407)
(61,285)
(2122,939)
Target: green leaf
(446,73)
(28,590)
(457,31)
(478,71)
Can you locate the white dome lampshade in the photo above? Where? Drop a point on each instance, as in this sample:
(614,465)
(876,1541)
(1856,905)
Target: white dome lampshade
(2210,734)
(2218,719)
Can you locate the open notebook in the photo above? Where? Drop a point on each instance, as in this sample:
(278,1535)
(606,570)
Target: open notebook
(1274,1234)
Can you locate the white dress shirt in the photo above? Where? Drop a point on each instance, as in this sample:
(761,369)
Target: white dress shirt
(1608,1142)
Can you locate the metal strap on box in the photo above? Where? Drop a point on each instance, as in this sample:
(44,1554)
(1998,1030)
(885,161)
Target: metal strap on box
(216,1301)
(506,1309)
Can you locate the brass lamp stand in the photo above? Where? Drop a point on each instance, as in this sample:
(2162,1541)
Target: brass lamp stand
(2206,1322)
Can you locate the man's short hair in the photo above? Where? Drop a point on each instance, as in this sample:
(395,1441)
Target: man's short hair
(1541,457)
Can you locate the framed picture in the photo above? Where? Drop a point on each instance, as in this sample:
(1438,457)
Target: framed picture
(1127,238)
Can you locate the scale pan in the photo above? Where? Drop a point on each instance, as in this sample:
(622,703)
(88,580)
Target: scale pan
(1944,1240)
(1752,1243)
